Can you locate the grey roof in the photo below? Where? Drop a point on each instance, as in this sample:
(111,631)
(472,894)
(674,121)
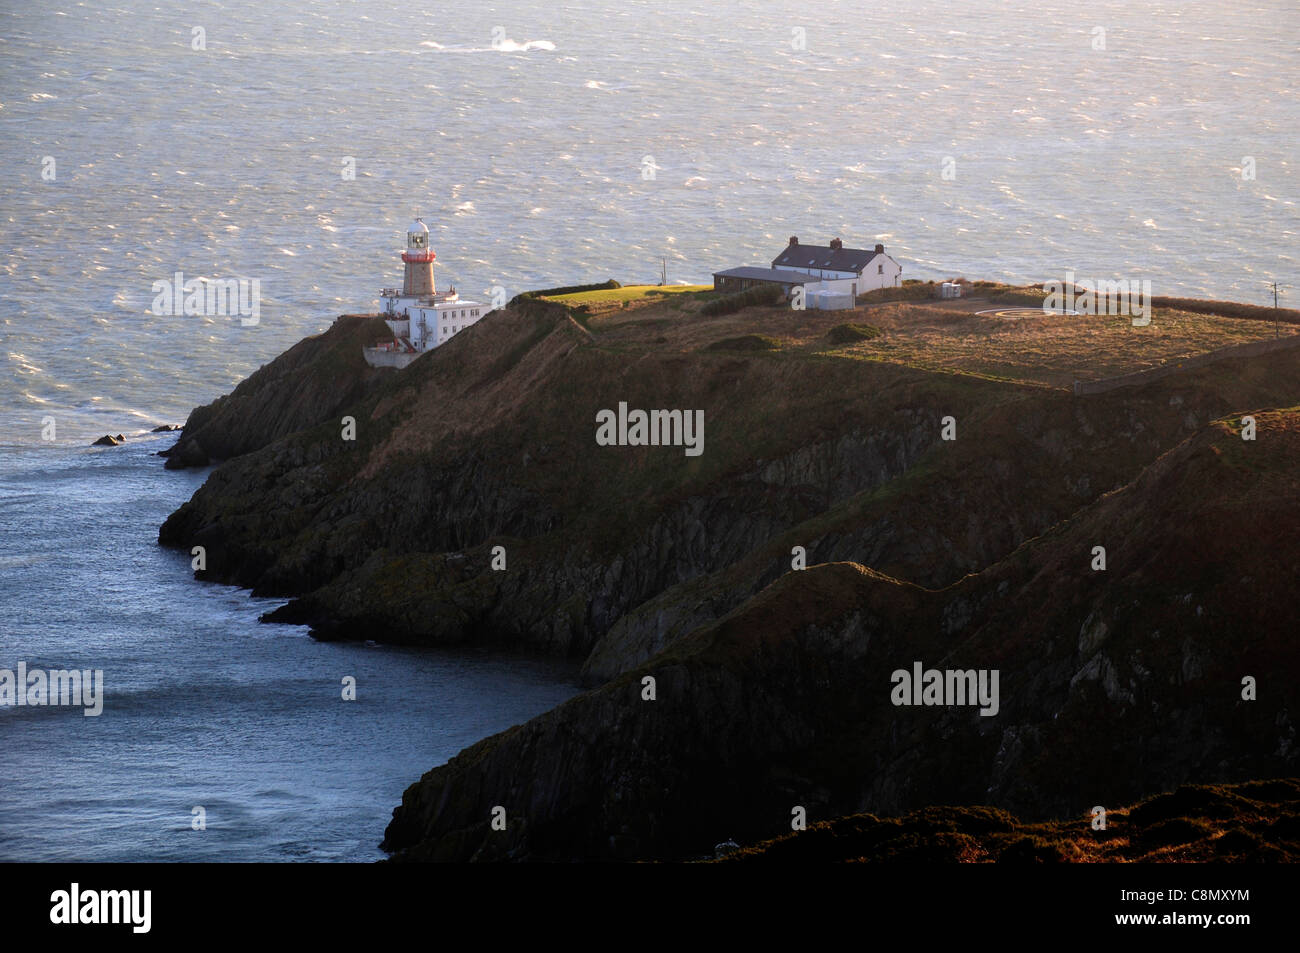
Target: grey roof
(823,256)
(768,274)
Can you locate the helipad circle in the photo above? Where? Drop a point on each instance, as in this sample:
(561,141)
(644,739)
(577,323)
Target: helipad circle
(1016,314)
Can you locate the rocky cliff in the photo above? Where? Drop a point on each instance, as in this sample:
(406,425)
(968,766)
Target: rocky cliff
(772,685)
(300,388)
(1113,685)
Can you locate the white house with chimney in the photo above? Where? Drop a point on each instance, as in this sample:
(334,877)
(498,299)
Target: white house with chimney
(854,270)
(831,276)
(420,317)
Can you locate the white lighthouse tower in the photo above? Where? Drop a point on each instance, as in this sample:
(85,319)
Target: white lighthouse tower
(418,315)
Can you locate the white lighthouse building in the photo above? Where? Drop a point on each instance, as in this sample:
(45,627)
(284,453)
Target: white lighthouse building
(420,317)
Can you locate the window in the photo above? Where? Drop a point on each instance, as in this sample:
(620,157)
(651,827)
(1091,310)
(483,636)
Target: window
(880,269)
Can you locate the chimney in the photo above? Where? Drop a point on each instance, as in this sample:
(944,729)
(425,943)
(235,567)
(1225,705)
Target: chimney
(794,239)
(836,243)
(880,249)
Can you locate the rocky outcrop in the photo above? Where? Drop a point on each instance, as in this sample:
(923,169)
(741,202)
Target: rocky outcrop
(1257,821)
(108,440)
(301,388)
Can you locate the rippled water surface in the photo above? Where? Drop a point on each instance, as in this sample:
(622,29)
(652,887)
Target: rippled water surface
(521,130)
(204,706)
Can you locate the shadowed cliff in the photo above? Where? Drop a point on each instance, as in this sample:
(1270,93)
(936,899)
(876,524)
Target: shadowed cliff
(772,686)
(1113,685)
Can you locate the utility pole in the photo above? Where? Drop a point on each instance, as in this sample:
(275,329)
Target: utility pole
(1277,331)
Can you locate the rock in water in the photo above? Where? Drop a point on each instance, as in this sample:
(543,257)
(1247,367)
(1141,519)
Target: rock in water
(186,453)
(109,441)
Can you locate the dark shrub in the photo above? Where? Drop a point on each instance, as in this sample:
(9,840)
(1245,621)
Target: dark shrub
(746,342)
(852,333)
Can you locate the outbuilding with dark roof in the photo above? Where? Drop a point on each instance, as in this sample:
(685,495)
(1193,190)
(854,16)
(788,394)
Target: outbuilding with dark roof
(739,279)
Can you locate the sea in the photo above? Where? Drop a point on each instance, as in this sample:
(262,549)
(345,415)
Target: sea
(220,738)
(290,144)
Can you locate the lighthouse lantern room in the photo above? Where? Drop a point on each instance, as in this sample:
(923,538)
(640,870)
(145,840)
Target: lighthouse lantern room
(417,282)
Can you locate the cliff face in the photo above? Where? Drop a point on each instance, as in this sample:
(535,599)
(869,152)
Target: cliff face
(772,686)
(300,388)
(1112,684)
(489,441)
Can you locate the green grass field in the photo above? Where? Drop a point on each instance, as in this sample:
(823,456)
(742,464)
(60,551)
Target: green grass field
(628,293)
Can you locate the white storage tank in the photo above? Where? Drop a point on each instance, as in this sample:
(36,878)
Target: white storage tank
(834,300)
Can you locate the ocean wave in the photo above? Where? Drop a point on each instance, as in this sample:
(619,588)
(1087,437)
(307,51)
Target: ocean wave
(503,46)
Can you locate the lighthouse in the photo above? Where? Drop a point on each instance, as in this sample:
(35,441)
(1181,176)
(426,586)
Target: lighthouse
(419,316)
(418,280)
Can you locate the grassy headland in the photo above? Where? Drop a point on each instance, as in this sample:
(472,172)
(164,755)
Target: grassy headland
(823,432)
